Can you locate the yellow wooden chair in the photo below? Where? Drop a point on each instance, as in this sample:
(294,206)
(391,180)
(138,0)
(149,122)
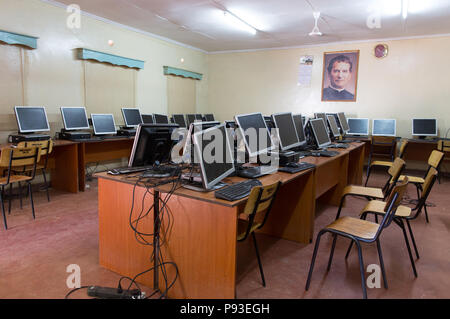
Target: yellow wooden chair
(255,215)
(11,159)
(361,231)
(443,146)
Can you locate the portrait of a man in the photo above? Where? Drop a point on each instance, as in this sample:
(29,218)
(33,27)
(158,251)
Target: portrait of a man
(340,76)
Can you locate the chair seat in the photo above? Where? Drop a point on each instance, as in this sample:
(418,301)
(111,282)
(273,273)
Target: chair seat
(15,179)
(355,227)
(412,179)
(381,163)
(363,191)
(378,206)
(242,228)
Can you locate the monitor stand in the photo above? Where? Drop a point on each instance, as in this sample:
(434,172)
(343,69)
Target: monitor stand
(194,182)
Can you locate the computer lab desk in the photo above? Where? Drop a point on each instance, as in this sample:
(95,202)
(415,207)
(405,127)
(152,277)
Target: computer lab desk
(202,237)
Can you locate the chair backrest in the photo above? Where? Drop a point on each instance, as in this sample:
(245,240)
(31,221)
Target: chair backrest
(443,146)
(426,189)
(383,142)
(46,146)
(402,150)
(435,159)
(394,174)
(11,157)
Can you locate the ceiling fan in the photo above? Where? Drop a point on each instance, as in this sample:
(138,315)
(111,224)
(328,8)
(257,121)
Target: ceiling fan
(315,31)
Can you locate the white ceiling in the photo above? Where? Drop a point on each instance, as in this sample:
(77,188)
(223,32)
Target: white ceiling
(280,23)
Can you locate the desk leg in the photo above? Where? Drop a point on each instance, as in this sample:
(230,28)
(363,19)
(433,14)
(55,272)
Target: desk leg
(356,166)
(65,174)
(82,166)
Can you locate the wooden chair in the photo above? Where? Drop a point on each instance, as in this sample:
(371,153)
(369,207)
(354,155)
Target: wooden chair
(361,231)
(258,205)
(372,193)
(46,149)
(386,164)
(381,146)
(443,146)
(11,159)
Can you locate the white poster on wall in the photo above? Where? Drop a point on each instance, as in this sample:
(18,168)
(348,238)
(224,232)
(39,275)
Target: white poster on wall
(305,70)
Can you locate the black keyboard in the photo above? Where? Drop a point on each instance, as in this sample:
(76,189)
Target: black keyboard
(128,170)
(160,172)
(237,191)
(340,145)
(256,171)
(304,153)
(324,153)
(296,167)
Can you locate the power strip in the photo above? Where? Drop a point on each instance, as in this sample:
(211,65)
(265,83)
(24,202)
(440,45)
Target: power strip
(114,293)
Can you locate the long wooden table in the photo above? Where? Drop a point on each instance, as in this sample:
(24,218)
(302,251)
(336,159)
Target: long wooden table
(202,237)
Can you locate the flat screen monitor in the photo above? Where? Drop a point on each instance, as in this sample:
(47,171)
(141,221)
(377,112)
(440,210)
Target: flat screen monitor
(31,119)
(179,119)
(209,117)
(333,126)
(384,127)
(255,133)
(358,126)
(424,127)
(103,124)
(147,118)
(194,128)
(320,133)
(161,119)
(216,161)
(230,124)
(198,117)
(343,122)
(152,143)
(132,117)
(299,125)
(287,132)
(74,118)
(190,118)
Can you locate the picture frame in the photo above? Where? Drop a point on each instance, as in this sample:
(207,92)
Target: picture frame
(340,76)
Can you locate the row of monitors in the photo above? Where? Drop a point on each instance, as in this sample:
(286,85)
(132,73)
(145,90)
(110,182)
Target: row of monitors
(34,119)
(387,127)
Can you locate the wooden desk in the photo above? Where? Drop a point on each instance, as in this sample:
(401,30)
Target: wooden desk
(202,239)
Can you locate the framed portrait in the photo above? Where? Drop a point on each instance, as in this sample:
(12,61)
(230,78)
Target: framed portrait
(340,76)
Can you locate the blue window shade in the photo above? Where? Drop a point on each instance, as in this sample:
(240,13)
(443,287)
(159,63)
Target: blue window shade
(86,54)
(15,38)
(168,70)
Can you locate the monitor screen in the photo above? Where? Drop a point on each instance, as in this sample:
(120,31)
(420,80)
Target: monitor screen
(212,147)
(194,128)
(333,125)
(132,117)
(160,119)
(287,132)
(209,117)
(424,127)
(190,118)
(299,125)
(198,117)
(74,118)
(103,124)
(147,118)
(358,126)
(320,132)
(31,119)
(382,127)
(255,133)
(343,122)
(153,142)
(179,119)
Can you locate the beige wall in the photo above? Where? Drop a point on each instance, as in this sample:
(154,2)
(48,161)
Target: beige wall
(51,76)
(413,81)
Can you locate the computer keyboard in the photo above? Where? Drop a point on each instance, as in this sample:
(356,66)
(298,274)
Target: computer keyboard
(324,153)
(255,171)
(237,191)
(296,167)
(339,145)
(160,172)
(304,153)
(128,170)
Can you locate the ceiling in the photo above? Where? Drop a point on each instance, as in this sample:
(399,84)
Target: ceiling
(280,23)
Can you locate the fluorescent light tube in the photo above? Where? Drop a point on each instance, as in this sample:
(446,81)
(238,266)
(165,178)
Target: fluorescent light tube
(237,22)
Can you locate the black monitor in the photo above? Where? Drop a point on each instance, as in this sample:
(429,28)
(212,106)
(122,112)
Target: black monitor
(333,126)
(299,125)
(358,126)
(255,133)
(194,128)
(103,124)
(179,119)
(384,127)
(320,133)
(132,117)
(287,132)
(230,124)
(424,127)
(343,122)
(31,119)
(153,143)
(198,117)
(74,118)
(147,118)
(209,117)
(215,163)
(190,118)
(161,119)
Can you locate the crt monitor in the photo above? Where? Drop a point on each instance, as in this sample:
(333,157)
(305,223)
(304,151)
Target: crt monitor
(384,127)
(333,126)
(179,119)
(31,119)
(343,122)
(320,133)
(132,117)
(209,117)
(424,127)
(103,124)
(358,126)
(74,118)
(298,120)
(287,131)
(161,119)
(152,143)
(255,133)
(216,162)
(147,118)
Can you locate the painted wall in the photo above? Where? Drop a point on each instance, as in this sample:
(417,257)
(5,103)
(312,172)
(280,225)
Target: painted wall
(51,76)
(413,81)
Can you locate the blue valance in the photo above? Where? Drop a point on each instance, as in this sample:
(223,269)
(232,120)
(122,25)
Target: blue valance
(86,54)
(168,70)
(15,38)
